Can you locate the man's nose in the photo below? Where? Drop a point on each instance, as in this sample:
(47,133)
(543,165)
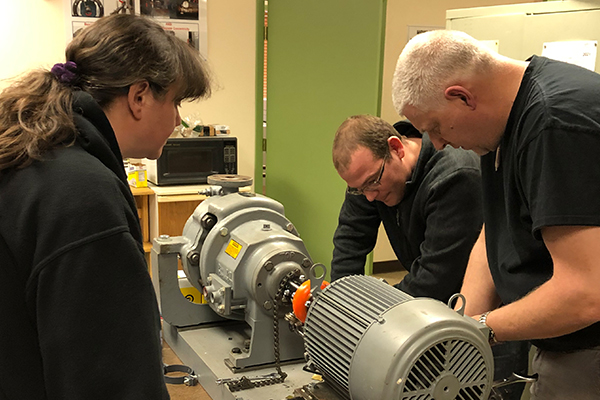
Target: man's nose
(438,142)
(371,195)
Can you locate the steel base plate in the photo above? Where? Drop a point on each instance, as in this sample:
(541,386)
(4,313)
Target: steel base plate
(205,349)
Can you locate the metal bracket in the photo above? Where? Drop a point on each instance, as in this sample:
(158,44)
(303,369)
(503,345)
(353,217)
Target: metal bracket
(191,379)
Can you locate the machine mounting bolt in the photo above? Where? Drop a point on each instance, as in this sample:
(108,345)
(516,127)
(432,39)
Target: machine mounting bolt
(289,227)
(195,258)
(268,265)
(306,263)
(208,221)
(268,305)
(221,309)
(223,231)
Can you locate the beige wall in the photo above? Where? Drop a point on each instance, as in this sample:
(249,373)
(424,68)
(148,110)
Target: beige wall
(34,35)
(404,13)
(400,15)
(232,55)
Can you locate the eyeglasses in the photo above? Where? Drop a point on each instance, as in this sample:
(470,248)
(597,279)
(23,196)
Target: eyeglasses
(369,186)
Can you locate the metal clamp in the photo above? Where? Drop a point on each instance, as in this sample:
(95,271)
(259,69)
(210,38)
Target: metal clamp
(191,379)
(514,378)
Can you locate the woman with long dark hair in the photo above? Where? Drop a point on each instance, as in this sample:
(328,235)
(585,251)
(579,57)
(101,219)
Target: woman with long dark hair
(79,318)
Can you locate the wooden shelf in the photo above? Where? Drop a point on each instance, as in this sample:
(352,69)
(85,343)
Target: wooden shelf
(145,191)
(142,200)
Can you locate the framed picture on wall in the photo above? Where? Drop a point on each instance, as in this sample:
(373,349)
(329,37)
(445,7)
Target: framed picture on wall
(172,9)
(87,8)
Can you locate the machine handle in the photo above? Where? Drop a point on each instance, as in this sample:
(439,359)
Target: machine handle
(454,297)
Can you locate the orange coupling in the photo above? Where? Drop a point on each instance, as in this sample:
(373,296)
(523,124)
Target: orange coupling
(301,297)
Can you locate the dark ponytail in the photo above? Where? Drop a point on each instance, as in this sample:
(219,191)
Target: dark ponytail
(35,116)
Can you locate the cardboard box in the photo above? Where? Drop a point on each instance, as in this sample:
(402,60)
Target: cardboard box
(137,175)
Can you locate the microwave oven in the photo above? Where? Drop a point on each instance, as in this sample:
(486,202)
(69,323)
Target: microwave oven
(189,161)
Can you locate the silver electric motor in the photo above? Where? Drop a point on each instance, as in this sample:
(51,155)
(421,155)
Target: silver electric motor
(240,250)
(373,341)
(241,247)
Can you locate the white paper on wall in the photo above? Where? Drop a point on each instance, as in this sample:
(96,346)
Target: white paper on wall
(578,52)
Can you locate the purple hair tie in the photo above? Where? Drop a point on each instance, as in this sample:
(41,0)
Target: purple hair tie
(65,73)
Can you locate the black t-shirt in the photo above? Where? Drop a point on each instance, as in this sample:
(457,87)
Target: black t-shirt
(547,175)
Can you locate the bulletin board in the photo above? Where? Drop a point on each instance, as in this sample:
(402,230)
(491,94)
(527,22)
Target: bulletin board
(185,19)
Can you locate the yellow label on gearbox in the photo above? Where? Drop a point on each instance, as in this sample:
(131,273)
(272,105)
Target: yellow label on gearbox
(233,248)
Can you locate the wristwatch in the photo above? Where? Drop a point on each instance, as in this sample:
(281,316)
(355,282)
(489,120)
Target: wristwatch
(492,336)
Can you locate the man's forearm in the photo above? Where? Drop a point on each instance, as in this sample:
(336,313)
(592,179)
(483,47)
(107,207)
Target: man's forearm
(549,311)
(569,301)
(478,285)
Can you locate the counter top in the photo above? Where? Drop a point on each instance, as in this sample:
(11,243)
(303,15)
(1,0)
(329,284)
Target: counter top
(144,191)
(177,189)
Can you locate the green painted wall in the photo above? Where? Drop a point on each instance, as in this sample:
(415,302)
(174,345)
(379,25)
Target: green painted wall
(324,64)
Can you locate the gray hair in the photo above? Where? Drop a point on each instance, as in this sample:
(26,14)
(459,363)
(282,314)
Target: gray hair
(430,62)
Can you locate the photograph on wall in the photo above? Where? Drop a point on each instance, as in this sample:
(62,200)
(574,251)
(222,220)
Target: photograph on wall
(87,8)
(171,9)
(187,32)
(185,19)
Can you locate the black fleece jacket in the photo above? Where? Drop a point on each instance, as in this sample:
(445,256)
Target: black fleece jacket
(432,230)
(78,314)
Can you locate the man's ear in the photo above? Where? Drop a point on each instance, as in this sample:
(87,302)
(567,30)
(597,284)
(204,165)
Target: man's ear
(460,93)
(396,146)
(137,98)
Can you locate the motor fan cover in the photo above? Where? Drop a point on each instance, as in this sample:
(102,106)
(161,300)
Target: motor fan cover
(372,341)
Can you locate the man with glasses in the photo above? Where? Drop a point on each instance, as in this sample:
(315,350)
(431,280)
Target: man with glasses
(429,203)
